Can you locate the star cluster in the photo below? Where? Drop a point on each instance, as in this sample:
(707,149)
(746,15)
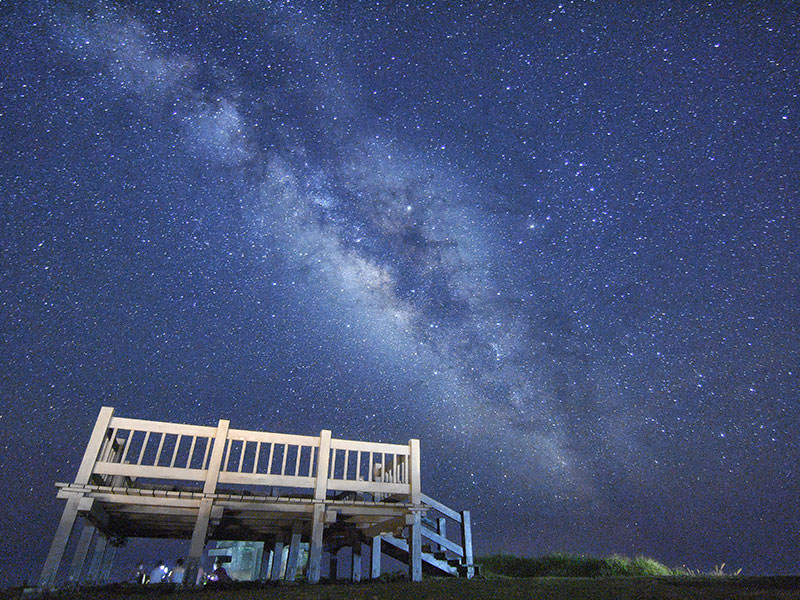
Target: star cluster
(556,242)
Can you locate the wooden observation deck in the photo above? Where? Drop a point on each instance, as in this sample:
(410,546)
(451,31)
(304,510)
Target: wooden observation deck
(154,479)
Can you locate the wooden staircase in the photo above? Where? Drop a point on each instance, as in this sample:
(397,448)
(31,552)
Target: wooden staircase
(441,556)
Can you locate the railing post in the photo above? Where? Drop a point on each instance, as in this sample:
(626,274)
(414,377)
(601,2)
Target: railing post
(216,457)
(414,522)
(375,557)
(315,552)
(294,551)
(94,445)
(277,562)
(466,540)
(77,569)
(323,464)
(414,472)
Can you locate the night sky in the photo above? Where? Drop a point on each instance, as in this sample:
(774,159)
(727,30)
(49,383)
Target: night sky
(556,242)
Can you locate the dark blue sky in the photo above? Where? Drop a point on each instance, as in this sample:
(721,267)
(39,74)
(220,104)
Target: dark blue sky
(557,242)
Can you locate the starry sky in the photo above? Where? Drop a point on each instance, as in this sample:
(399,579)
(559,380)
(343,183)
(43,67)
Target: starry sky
(555,241)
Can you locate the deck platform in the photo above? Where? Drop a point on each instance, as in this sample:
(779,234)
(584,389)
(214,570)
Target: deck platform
(154,479)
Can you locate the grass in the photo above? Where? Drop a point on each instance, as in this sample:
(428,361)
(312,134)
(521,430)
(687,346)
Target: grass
(573,565)
(497,588)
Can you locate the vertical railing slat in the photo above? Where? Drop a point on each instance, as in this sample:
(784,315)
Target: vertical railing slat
(204,465)
(191,453)
(285,454)
(271,454)
(160,446)
(127,446)
(144,445)
(258,453)
(175,451)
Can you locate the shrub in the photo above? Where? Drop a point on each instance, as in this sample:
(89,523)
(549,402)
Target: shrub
(572,565)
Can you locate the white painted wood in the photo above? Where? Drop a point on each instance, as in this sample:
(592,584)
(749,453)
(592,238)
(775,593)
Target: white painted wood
(315,551)
(96,563)
(108,562)
(188,464)
(93,447)
(375,558)
(415,545)
(442,541)
(271,437)
(445,510)
(415,472)
(163,427)
(198,538)
(175,451)
(59,544)
(216,457)
(466,540)
(263,479)
(78,565)
(144,446)
(147,471)
(441,529)
(294,551)
(321,487)
(339,444)
(368,486)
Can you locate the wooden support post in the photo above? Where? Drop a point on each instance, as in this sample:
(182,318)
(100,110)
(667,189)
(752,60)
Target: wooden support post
(198,540)
(315,551)
(323,464)
(294,551)
(375,557)
(216,457)
(59,544)
(76,569)
(355,562)
(466,541)
(94,445)
(108,563)
(414,528)
(266,564)
(96,564)
(333,565)
(277,562)
(414,472)
(441,529)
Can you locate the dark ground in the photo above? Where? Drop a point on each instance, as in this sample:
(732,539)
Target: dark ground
(545,588)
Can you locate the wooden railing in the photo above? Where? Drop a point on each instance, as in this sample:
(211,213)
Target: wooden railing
(124,451)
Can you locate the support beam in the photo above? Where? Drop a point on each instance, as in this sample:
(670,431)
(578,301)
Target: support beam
(78,565)
(323,464)
(215,464)
(59,544)
(414,475)
(198,540)
(375,557)
(414,521)
(266,564)
(294,551)
(108,563)
(355,562)
(315,551)
(96,564)
(333,565)
(466,541)
(94,445)
(277,562)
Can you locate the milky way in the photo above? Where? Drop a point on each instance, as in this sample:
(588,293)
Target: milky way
(558,244)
